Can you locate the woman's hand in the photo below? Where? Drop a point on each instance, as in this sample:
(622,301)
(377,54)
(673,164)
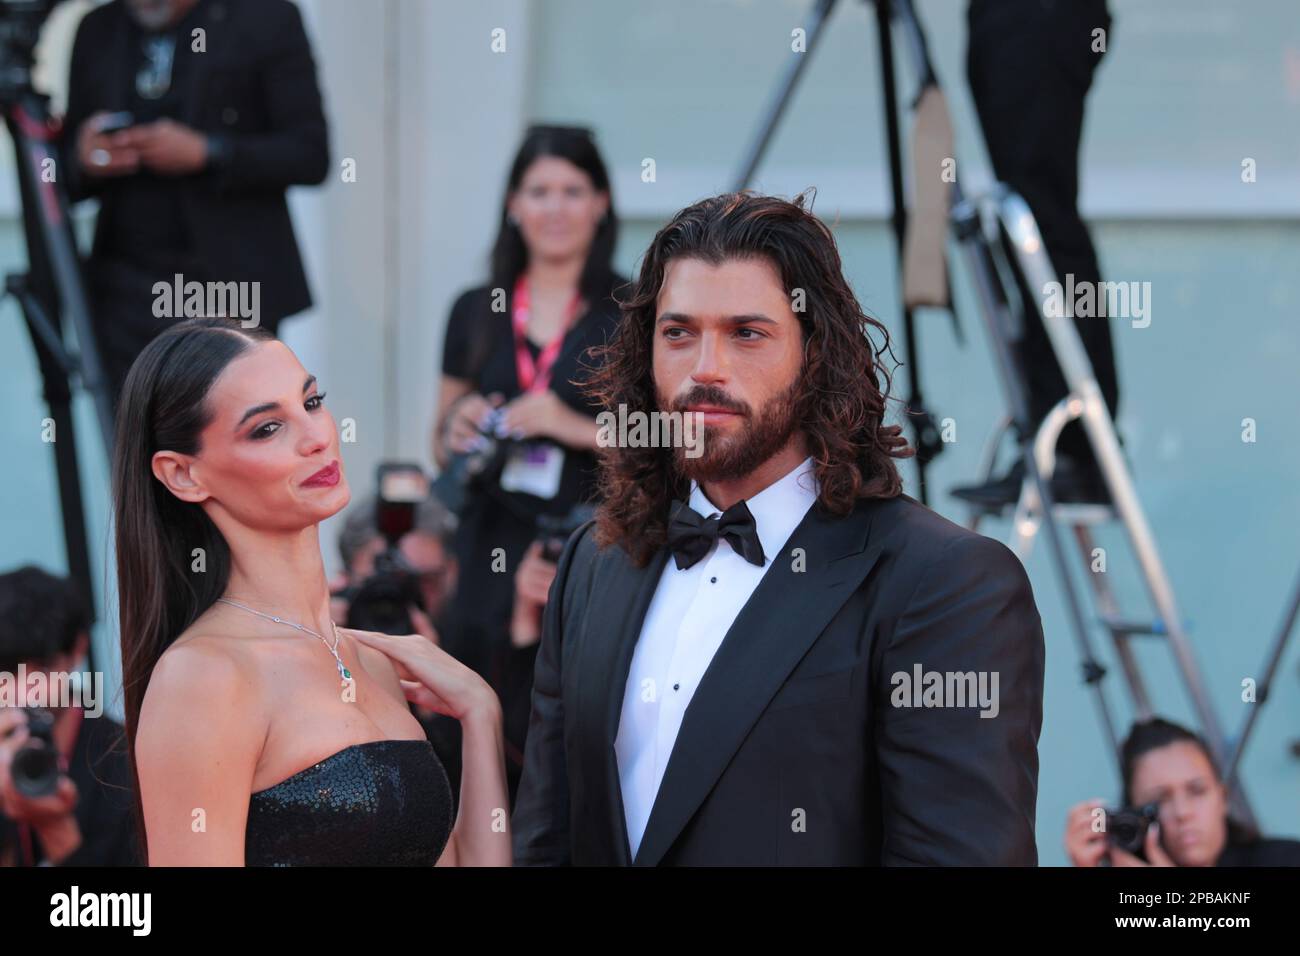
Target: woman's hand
(1085,845)
(532,587)
(449,687)
(544,415)
(535,415)
(465,421)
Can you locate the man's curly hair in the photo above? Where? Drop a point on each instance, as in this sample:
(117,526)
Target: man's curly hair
(840,409)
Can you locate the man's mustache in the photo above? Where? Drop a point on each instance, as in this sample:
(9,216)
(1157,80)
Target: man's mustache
(709,395)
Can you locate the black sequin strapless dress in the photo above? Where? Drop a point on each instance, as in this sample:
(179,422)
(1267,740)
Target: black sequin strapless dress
(382,803)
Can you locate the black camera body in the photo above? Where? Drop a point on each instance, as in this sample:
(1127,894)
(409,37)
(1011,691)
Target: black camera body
(383,600)
(481,464)
(1126,827)
(35,768)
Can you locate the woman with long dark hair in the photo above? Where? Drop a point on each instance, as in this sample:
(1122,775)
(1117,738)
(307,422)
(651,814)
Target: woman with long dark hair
(515,355)
(258,732)
(1169,767)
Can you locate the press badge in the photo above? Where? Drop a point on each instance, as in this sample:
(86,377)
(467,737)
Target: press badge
(534,469)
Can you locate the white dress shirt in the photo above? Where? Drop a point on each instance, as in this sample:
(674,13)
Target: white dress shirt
(688,617)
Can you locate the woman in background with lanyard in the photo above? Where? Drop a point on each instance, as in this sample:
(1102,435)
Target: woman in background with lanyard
(514,356)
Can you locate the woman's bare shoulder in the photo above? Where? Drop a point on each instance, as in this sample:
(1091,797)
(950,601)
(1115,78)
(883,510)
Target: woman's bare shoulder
(205,679)
(205,656)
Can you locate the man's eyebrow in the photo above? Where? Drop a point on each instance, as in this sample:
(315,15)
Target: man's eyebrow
(271,406)
(741,319)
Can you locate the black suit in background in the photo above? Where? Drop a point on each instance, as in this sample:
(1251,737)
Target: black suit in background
(1030,65)
(254,92)
(794,713)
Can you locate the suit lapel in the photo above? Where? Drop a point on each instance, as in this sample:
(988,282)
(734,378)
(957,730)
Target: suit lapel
(786,613)
(622,597)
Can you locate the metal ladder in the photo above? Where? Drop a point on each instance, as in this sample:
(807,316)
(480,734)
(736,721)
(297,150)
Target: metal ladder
(1008,217)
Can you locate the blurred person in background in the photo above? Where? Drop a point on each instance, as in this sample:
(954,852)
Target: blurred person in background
(188,119)
(1171,767)
(516,350)
(86,821)
(1030,65)
(429,549)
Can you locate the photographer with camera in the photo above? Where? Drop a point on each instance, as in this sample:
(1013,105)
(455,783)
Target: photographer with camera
(428,551)
(1175,811)
(65,797)
(515,437)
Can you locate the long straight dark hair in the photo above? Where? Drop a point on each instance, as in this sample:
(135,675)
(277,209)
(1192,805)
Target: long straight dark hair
(164,407)
(509,258)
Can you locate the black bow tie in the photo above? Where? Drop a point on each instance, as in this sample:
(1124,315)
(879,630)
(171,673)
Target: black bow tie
(690,536)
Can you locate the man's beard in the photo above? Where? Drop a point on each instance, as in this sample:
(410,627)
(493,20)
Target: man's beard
(729,457)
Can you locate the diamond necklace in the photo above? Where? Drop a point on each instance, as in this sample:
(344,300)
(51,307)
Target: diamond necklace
(344,673)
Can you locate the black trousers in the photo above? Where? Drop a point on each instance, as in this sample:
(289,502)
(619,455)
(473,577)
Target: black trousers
(1030,65)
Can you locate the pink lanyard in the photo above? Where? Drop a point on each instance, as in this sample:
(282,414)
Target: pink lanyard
(536,376)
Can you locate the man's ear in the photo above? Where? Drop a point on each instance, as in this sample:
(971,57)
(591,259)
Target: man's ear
(174,471)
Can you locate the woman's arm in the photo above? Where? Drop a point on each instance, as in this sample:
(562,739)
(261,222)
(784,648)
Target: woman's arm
(481,836)
(450,390)
(201,732)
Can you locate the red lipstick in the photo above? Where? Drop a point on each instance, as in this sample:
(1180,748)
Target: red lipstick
(327,477)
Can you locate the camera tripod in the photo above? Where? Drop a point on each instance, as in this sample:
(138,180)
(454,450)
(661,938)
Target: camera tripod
(51,293)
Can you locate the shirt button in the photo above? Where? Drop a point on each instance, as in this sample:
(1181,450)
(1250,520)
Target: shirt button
(713,580)
(677,686)
(229,115)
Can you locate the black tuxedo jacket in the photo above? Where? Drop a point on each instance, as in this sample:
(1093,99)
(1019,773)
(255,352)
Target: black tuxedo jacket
(255,87)
(795,748)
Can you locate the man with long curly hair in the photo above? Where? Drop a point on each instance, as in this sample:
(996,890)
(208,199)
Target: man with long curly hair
(761,652)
